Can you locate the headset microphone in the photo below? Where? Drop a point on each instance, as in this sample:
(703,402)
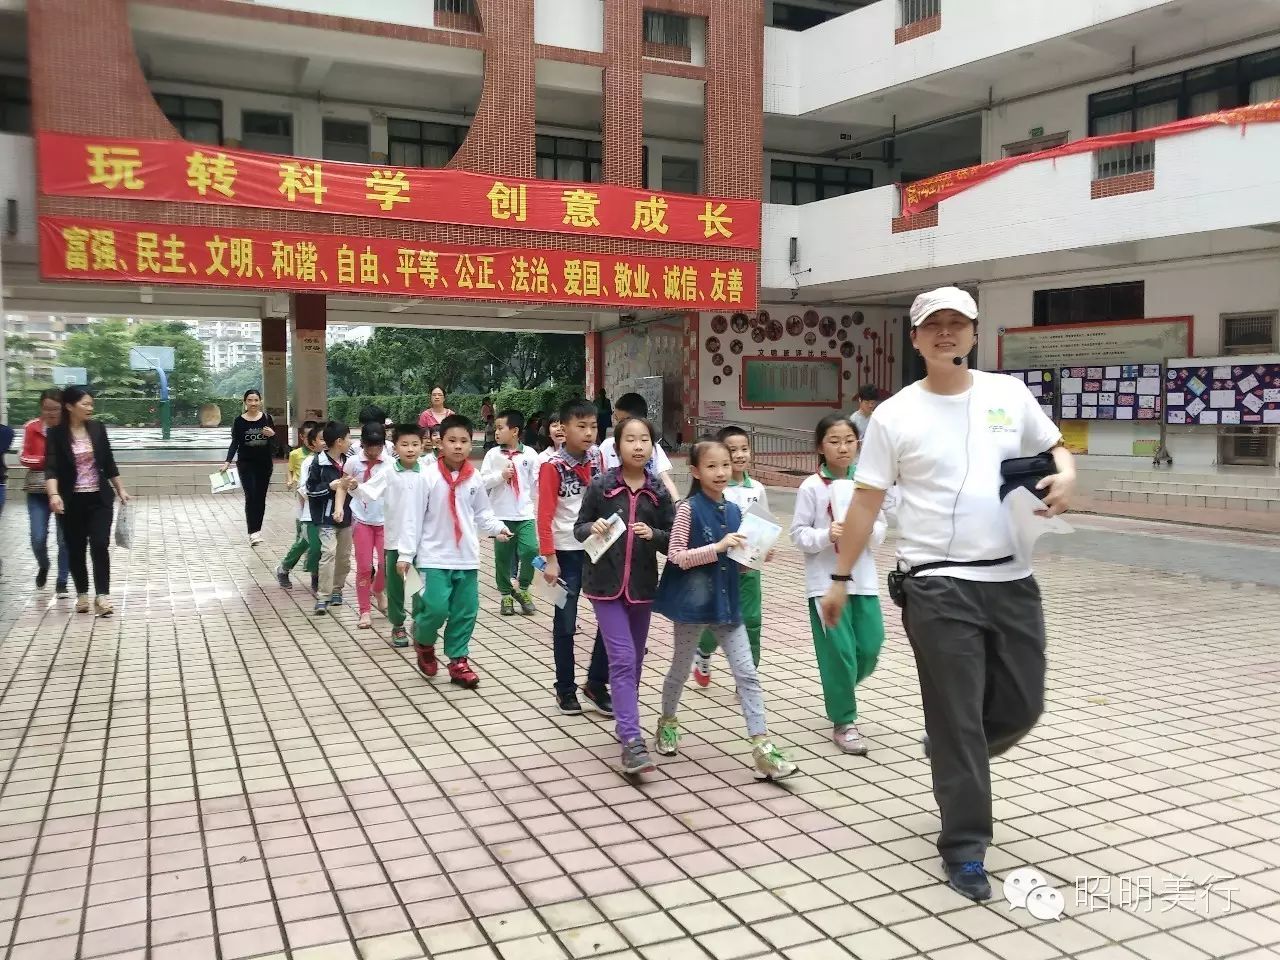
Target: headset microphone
(958,361)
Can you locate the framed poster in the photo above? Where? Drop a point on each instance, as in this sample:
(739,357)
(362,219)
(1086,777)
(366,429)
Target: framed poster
(1111,342)
(1223,390)
(1126,391)
(790,382)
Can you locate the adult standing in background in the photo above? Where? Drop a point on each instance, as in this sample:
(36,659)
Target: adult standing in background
(250,450)
(81,481)
(434,415)
(868,397)
(604,416)
(39,513)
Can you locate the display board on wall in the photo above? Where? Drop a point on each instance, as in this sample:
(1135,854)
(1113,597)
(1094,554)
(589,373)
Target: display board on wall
(1220,391)
(1040,381)
(1128,391)
(1109,343)
(791,382)
(1075,434)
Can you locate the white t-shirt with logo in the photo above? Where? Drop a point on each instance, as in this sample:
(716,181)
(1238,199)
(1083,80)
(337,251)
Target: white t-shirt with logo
(657,465)
(944,453)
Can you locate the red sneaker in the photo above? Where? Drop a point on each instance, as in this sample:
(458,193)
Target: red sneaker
(427,661)
(460,673)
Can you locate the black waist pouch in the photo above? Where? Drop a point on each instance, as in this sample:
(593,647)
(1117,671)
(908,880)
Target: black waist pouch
(1026,472)
(898,577)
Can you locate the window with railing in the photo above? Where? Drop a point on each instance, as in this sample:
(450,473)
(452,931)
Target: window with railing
(346,141)
(917,11)
(1245,333)
(457,15)
(198,119)
(411,143)
(1096,303)
(462,8)
(15,105)
(666,29)
(566,158)
(795,183)
(268,132)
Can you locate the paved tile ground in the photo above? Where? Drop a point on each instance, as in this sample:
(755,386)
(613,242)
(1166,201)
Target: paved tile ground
(214,773)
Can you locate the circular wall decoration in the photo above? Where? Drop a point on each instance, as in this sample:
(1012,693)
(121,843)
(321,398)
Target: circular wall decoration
(842,335)
(827,327)
(736,347)
(775,330)
(846,349)
(728,370)
(739,322)
(713,344)
(846,321)
(811,318)
(757,335)
(858,317)
(764,316)
(810,338)
(795,325)
(717,359)
(846,375)
(719,324)
(716,380)
(831,344)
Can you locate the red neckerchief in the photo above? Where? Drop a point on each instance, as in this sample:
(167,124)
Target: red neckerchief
(827,480)
(515,471)
(583,469)
(464,474)
(368,467)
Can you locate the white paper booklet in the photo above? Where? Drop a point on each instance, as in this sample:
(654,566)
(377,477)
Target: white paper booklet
(761,532)
(413,582)
(224,481)
(1025,525)
(372,489)
(596,545)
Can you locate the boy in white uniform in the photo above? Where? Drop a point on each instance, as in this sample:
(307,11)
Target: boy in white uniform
(659,465)
(510,474)
(406,484)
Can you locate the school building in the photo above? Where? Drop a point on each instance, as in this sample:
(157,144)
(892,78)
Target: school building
(733,201)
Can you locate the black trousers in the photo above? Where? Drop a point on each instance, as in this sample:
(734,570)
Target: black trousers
(255,478)
(980,655)
(86,523)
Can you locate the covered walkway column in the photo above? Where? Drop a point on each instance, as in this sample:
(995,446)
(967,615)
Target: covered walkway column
(275,378)
(308,312)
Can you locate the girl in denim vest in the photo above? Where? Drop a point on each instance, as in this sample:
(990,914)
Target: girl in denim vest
(699,591)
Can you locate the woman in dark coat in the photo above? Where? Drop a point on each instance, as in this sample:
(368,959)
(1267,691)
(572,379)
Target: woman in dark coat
(82,482)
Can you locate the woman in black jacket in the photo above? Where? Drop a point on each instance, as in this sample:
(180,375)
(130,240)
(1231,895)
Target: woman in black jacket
(622,582)
(251,435)
(82,480)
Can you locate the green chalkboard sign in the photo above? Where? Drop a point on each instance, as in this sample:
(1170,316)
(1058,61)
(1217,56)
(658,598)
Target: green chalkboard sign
(790,382)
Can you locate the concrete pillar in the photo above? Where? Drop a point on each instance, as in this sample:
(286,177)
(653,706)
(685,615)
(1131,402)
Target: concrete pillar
(275,377)
(308,312)
(594,378)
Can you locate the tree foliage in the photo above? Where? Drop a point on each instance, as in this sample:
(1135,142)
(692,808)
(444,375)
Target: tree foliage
(189,378)
(103,350)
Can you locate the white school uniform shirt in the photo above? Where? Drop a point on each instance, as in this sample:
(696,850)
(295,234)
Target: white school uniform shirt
(304,505)
(811,534)
(546,455)
(944,453)
(746,495)
(658,464)
(406,491)
(502,496)
(369,512)
(430,523)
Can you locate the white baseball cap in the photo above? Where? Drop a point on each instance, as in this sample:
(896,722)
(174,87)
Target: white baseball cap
(944,298)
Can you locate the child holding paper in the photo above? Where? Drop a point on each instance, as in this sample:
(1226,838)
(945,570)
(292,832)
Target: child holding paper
(746,493)
(307,534)
(621,580)
(847,652)
(368,468)
(699,590)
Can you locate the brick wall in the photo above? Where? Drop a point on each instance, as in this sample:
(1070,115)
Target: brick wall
(86,79)
(1119,186)
(918,29)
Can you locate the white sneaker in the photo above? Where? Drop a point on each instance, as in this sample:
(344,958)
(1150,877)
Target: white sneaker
(770,763)
(848,738)
(255,539)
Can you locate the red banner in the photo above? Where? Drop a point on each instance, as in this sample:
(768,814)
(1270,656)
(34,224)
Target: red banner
(175,170)
(924,194)
(75,249)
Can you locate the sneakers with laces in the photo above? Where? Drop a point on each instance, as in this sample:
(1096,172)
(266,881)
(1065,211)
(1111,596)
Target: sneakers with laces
(525,599)
(461,674)
(770,762)
(508,608)
(82,603)
(61,591)
(102,606)
(427,661)
(282,577)
(969,879)
(255,539)
(702,669)
(848,739)
(399,636)
(599,699)
(635,758)
(568,704)
(667,739)
(336,600)
(320,609)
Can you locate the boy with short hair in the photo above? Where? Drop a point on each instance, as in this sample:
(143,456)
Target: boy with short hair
(443,527)
(367,517)
(745,492)
(562,483)
(307,539)
(406,485)
(510,474)
(327,491)
(659,465)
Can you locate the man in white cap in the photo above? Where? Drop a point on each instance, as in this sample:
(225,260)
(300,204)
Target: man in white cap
(971,610)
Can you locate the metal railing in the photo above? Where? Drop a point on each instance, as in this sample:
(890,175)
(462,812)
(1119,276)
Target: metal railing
(465,8)
(666,29)
(913,11)
(1121,161)
(785,449)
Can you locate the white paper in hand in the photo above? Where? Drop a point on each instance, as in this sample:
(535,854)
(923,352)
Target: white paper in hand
(596,545)
(413,582)
(841,497)
(1025,526)
(761,532)
(224,481)
(372,489)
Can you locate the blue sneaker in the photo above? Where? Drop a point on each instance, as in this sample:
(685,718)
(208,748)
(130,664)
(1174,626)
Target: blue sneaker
(969,879)
(336,600)
(321,608)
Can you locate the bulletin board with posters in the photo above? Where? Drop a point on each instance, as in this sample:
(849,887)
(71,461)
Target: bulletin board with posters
(1043,386)
(1224,390)
(1129,391)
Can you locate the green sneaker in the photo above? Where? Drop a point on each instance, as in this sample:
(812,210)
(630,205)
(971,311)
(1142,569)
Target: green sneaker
(667,741)
(508,606)
(525,599)
(399,636)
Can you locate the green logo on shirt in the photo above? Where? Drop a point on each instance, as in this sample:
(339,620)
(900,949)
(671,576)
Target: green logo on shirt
(999,422)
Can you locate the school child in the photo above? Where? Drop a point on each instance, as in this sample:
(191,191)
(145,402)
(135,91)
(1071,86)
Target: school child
(634,405)
(445,523)
(293,477)
(554,438)
(510,474)
(744,492)
(562,483)
(847,652)
(307,534)
(621,585)
(367,518)
(406,484)
(327,490)
(700,590)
